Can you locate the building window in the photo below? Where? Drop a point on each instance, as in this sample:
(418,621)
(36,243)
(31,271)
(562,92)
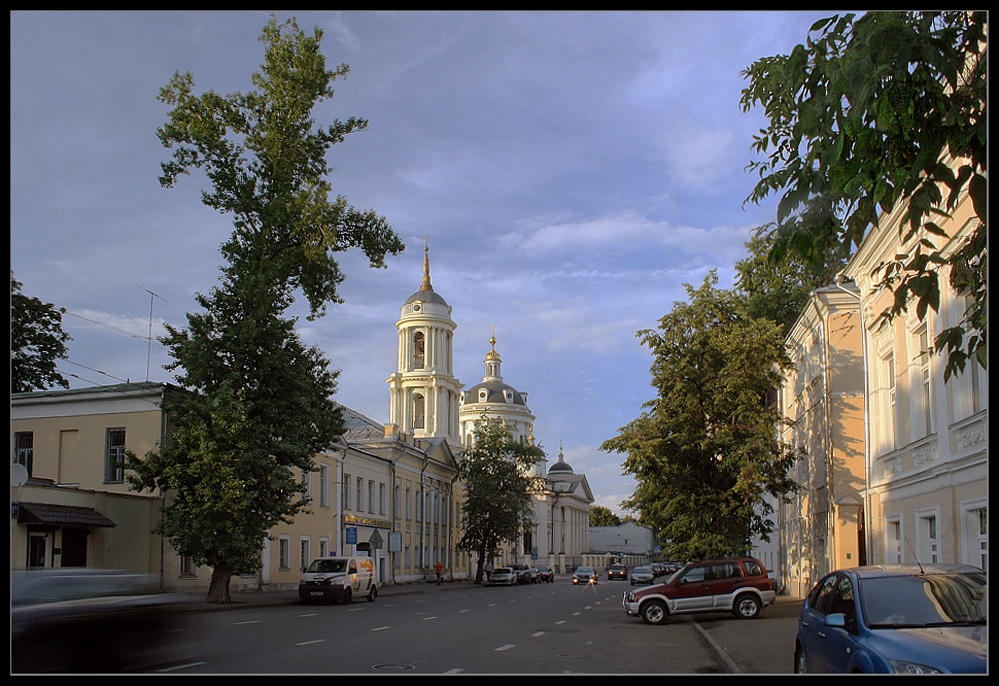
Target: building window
(887,423)
(975,533)
(359,492)
(114,456)
(346,491)
(305,552)
(284,553)
(307,482)
(324,485)
(419,412)
(371,497)
(396,502)
(187,565)
(893,541)
(381,499)
(409,503)
(24,449)
(921,370)
(928,540)
(419,350)
(324,547)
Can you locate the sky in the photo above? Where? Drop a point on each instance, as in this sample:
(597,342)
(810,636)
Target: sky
(571,171)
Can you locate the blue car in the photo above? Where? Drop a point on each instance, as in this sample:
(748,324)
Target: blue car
(895,619)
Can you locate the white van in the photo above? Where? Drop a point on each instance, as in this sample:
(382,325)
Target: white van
(339,579)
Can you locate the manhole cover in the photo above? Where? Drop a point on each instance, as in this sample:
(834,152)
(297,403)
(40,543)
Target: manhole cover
(393,667)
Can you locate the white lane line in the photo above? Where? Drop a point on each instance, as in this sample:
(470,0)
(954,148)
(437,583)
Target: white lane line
(311,614)
(252,621)
(308,643)
(380,628)
(538,633)
(177,667)
(506,647)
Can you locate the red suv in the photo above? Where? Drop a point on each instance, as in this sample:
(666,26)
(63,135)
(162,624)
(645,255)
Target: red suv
(739,585)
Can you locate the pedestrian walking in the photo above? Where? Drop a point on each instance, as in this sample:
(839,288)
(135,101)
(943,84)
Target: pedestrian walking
(439,570)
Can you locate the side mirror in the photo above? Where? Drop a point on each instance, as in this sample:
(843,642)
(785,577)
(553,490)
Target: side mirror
(837,619)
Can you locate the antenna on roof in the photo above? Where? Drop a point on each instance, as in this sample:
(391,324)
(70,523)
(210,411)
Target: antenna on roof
(149,335)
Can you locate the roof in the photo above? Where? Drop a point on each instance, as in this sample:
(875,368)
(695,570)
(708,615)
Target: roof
(65,515)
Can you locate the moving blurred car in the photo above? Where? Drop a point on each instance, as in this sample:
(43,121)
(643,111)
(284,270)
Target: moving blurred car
(739,585)
(617,571)
(642,575)
(542,575)
(502,576)
(895,619)
(584,575)
(522,572)
(94,620)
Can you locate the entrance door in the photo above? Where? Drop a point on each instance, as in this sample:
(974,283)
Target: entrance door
(39,549)
(74,547)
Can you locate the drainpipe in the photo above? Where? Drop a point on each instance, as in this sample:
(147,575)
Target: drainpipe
(840,278)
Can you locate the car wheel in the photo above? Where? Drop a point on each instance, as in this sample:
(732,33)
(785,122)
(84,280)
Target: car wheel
(372,594)
(345,598)
(655,612)
(747,606)
(800,661)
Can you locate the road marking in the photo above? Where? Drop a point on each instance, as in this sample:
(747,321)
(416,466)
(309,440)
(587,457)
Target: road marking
(426,618)
(506,647)
(380,628)
(176,667)
(251,621)
(538,633)
(561,621)
(311,614)
(456,670)
(463,611)
(308,643)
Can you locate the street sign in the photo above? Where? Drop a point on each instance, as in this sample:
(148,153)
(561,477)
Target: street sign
(375,540)
(351,535)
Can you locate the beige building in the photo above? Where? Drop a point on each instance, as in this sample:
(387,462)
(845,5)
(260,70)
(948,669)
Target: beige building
(897,457)
(926,494)
(822,525)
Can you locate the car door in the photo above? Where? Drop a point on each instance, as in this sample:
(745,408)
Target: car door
(828,648)
(690,590)
(725,579)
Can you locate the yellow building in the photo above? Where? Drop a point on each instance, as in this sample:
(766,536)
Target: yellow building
(926,494)
(822,525)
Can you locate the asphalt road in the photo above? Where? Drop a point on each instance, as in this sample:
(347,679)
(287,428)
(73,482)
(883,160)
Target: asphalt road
(760,646)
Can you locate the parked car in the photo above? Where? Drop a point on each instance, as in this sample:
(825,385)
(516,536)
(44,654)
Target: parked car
(738,584)
(898,619)
(617,571)
(541,575)
(523,573)
(584,575)
(95,620)
(503,576)
(642,575)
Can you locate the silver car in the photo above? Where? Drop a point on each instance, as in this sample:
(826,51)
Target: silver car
(503,576)
(642,575)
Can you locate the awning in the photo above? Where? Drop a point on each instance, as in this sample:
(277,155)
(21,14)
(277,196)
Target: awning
(65,515)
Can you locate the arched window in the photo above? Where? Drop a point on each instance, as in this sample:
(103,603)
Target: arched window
(419,350)
(419,411)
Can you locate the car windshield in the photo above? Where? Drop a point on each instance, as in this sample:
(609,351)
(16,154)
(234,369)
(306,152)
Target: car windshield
(584,570)
(924,600)
(642,570)
(327,566)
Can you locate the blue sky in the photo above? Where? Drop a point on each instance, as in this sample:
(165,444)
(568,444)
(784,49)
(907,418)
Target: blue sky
(573,170)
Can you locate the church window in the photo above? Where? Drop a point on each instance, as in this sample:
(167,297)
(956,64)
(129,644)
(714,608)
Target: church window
(419,350)
(419,412)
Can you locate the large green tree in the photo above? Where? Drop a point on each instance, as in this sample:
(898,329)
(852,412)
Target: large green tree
(602,516)
(499,490)
(866,115)
(258,404)
(37,342)
(705,452)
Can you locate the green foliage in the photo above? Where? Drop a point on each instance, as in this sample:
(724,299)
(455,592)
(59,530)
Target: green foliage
(705,453)
(866,116)
(259,403)
(602,516)
(36,342)
(775,289)
(499,490)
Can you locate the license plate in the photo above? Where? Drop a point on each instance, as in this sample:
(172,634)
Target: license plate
(315,593)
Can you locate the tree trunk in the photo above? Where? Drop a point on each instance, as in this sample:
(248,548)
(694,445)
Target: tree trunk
(218,589)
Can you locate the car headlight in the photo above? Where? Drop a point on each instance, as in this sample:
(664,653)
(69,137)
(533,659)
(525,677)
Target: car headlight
(904,667)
